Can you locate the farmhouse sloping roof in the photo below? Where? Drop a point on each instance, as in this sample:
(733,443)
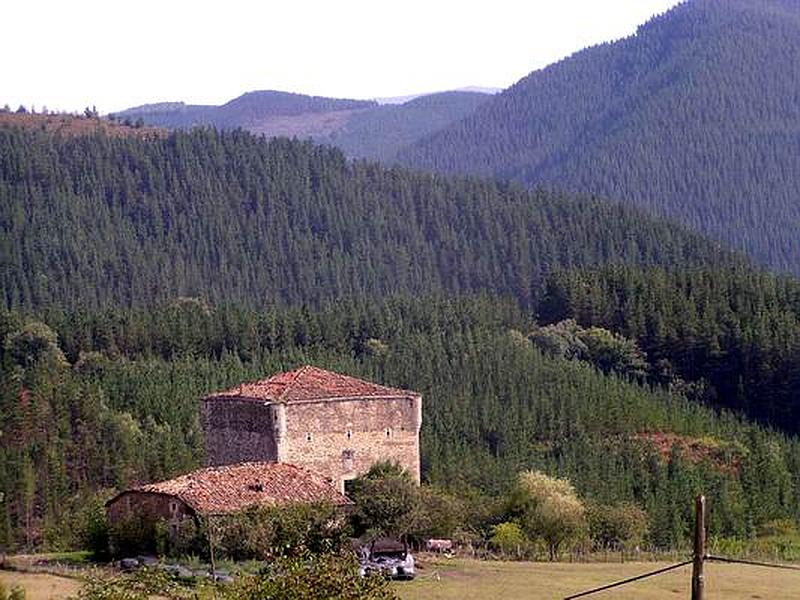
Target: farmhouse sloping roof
(310,383)
(231,488)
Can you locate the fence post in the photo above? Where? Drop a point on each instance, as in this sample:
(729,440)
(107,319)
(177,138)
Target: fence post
(698,581)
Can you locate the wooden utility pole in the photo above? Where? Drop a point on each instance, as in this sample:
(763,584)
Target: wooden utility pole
(698,581)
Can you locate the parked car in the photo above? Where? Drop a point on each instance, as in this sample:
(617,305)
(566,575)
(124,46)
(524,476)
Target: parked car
(387,556)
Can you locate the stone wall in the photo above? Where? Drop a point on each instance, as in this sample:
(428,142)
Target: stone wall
(147,505)
(342,439)
(339,439)
(238,431)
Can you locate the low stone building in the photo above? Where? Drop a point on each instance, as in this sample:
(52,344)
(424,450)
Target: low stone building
(335,425)
(222,490)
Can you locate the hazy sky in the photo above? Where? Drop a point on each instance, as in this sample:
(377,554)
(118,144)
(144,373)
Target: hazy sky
(68,54)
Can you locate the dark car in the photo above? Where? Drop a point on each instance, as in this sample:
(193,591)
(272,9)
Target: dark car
(387,556)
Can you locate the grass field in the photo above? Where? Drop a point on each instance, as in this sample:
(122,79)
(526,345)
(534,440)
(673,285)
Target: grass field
(467,579)
(40,586)
(460,579)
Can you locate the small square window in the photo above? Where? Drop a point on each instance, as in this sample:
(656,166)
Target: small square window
(308,436)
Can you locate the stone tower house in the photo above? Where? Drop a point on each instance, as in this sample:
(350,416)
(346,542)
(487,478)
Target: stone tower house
(332,424)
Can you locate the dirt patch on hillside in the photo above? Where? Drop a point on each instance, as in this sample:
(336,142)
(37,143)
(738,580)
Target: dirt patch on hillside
(311,124)
(73,125)
(726,456)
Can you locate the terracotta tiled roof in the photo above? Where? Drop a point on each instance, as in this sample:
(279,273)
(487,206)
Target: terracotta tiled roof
(231,488)
(310,383)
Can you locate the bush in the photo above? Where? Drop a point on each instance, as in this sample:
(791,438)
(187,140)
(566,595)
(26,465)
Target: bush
(548,509)
(16,593)
(187,539)
(94,532)
(306,577)
(312,578)
(385,499)
(141,585)
(778,528)
(617,526)
(129,537)
(437,514)
(508,539)
(264,533)
(35,341)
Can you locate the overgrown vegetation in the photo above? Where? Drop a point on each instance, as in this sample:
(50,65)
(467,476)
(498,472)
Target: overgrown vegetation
(327,576)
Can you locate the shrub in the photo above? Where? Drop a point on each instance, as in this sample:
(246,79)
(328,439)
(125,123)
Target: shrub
(778,528)
(312,578)
(308,577)
(508,539)
(617,526)
(187,539)
(93,530)
(140,585)
(437,514)
(548,508)
(385,499)
(129,537)
(16,593)
(267,532)
(35,341)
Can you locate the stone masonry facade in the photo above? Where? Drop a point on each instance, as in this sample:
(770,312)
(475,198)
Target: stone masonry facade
(148,506)
(330,424)
(238,431)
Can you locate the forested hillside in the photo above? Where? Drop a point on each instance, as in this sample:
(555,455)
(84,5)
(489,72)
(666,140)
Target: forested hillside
(696,117)
(94,221)
(363,129)
(140,274)
(108,399)
(380,132)
(734,334)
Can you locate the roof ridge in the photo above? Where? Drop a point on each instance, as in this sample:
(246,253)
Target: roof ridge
(288,386)
(309,382)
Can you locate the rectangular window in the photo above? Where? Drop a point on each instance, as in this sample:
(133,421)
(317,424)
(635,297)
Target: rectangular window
(347,460)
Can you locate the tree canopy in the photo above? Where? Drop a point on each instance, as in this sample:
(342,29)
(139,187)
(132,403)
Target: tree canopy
(694,117)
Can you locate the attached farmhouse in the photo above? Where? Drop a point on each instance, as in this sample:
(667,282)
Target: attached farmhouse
(332,424)
(222,490)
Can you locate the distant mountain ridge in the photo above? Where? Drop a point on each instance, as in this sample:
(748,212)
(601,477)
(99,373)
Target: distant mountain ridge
(361,128)
(475,89)
(696,117)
